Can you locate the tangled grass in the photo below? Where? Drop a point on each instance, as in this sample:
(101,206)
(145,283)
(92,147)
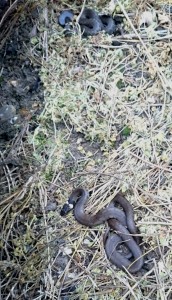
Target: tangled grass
(107,126)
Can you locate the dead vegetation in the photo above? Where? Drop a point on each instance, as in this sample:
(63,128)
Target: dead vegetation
(106,126)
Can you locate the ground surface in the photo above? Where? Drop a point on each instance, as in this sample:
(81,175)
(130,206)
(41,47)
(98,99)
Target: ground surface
(84,112)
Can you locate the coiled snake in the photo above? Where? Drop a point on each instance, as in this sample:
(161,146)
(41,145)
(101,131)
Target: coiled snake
(90,22)
(118,220)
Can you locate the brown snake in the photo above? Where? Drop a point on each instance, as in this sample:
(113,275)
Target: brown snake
(118,220)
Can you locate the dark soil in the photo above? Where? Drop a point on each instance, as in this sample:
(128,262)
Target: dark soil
(21,92)
(19,81)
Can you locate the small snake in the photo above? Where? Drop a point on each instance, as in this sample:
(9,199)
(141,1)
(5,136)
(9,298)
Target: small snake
(90,22)
(117,219)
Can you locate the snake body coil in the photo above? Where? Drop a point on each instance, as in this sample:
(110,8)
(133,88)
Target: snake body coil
(90,22)
(118,220)
(65,17)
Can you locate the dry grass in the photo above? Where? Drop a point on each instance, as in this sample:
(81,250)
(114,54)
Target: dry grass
(119,99)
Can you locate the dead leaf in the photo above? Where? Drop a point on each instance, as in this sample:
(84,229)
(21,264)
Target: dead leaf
(147,18)
(163,19)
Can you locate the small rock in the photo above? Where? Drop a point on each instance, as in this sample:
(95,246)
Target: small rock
(7,113)
(51,206)
(67,251)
